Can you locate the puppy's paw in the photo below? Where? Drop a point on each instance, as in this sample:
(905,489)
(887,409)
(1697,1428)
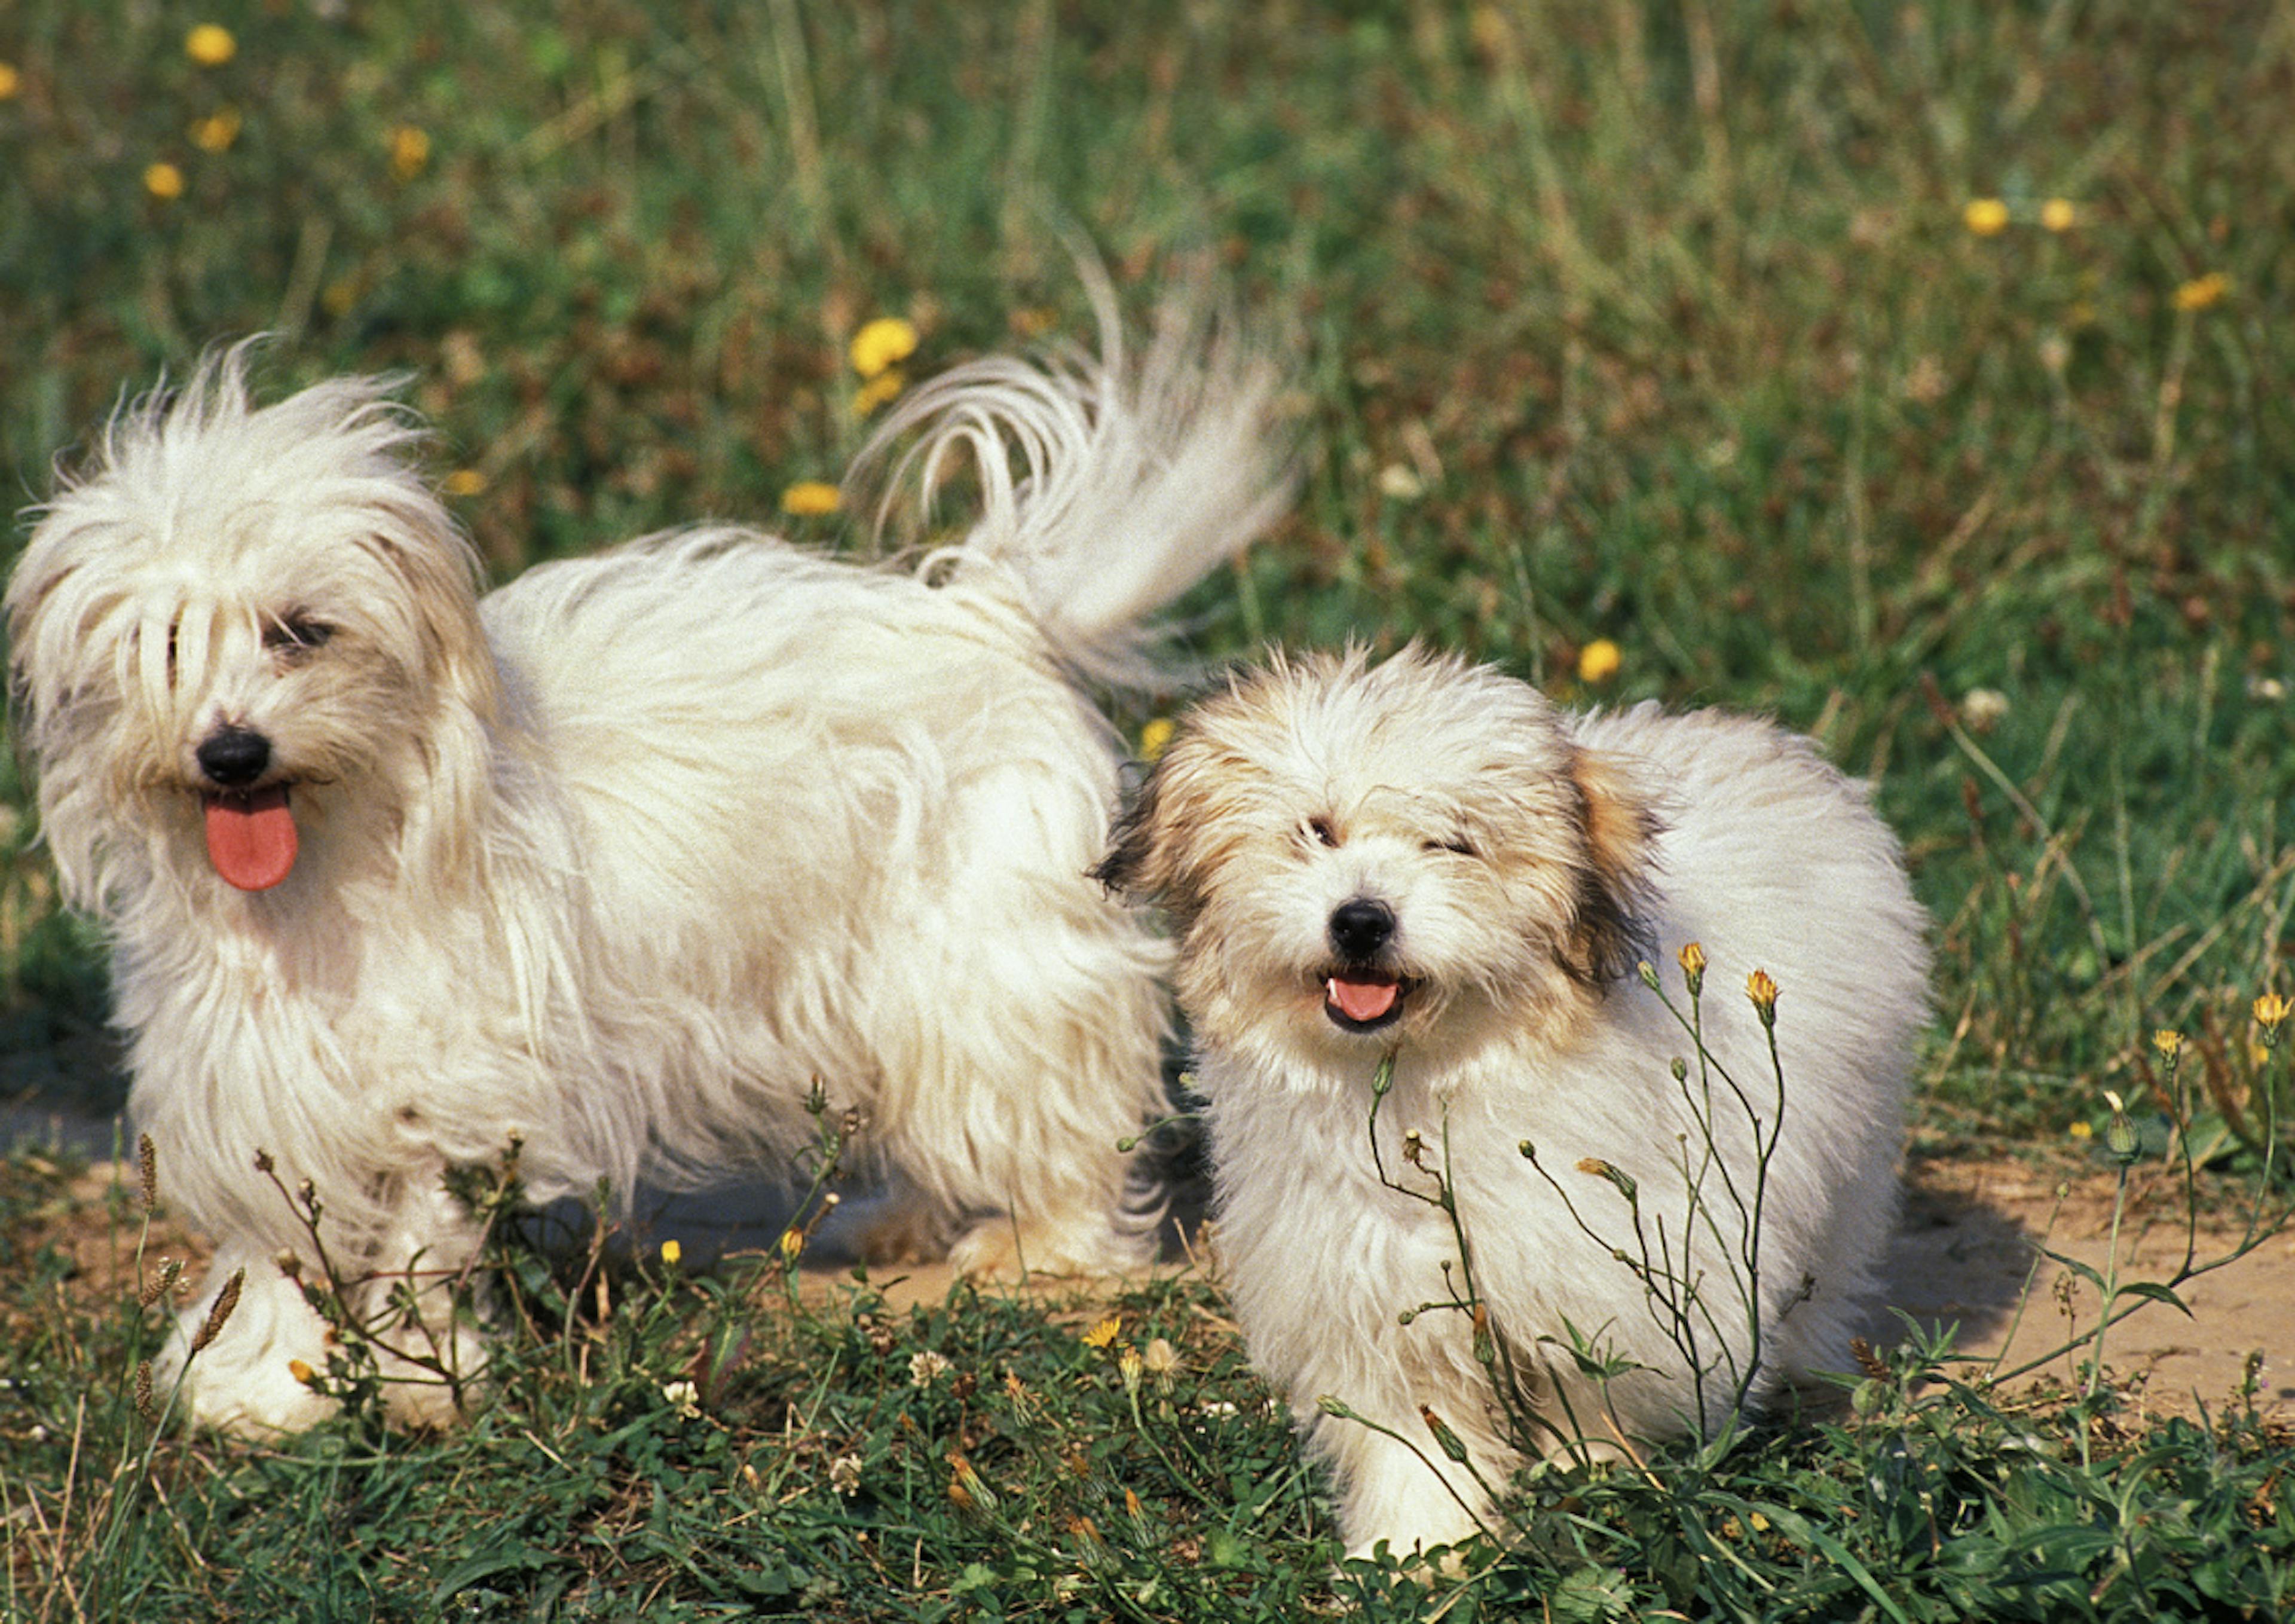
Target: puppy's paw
(1001,1248)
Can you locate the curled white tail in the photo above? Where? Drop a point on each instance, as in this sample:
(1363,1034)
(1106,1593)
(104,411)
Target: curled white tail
(1106,489)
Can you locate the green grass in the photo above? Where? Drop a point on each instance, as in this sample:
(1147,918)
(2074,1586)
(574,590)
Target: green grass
(1660,324)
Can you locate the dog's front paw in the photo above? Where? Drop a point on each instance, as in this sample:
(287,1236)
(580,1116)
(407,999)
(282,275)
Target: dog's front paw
(1003,1248)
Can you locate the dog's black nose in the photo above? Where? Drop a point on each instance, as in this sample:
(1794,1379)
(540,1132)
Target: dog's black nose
(1359,928)
(234,757)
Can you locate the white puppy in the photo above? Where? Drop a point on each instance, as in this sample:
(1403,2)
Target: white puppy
(627,856)
(1425,863)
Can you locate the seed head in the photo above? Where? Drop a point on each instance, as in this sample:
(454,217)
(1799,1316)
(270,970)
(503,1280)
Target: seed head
(226,1300)
(147,1166)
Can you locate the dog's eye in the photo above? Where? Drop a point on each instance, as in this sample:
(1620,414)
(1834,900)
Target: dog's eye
(1320,831)
(1457,843)
(296,633)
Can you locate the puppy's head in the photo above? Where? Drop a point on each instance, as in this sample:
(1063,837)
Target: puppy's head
(233,626)
(1360,857)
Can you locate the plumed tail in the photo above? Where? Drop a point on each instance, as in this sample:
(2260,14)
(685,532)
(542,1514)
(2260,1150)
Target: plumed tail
(1108,485)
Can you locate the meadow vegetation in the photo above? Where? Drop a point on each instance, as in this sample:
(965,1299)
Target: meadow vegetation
(1916,373)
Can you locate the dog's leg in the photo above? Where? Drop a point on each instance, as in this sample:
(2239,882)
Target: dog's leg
(426,1306)
(243,1381)
(1414,1499)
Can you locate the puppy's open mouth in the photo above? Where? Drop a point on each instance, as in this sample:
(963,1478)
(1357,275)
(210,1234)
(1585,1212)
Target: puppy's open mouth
(1363,1000)
(250,833)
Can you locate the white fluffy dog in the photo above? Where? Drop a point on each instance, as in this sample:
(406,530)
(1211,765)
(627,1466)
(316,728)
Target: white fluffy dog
(623,858)
(1425,863)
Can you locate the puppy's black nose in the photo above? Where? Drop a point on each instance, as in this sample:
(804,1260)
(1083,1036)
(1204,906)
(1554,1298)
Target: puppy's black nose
(234,757)
(1359,928)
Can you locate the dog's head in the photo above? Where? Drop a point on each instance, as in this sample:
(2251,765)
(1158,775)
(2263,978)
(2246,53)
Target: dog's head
(1365,856)
(231,621)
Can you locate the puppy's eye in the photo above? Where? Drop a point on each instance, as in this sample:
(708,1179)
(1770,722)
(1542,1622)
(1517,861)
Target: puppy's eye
(1319,830)
(1456,844)
(296,634)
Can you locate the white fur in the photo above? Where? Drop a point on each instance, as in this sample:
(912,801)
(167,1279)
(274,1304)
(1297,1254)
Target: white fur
(1592,840)
(623,858)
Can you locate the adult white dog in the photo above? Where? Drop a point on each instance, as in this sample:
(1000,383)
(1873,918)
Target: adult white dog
(1421,877)
(625,857)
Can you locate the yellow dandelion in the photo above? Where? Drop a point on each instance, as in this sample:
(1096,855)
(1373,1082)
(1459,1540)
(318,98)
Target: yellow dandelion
(2058,214)
(2202,291)
(410,151)
(1763,992)
(811,499)
(2270,1010)
(792,1245)
(672,1253)
(1985,216)
(2168,1041)
(873,394)
(1599,661)
(882,343)
(2081,1130)
(210,45)
(217,131)
(470,482)
(164,180)
(10,79)
(1156,737)
(301,1371)
(1103,1333)
(337,297)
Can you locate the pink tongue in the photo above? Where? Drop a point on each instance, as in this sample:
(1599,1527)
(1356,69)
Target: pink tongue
(1360,1000)
(251,838)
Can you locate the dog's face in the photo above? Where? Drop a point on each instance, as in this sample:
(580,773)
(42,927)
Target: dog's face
(1360,857)
(232,619)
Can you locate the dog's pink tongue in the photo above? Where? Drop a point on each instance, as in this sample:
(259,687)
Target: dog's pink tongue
(251,838)
(1360,1000)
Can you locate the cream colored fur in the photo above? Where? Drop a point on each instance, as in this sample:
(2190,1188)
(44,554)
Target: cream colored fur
(623,858)
(1527,858)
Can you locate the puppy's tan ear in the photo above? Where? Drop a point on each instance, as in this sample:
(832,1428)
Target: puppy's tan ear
(1621,826)
(1149,857)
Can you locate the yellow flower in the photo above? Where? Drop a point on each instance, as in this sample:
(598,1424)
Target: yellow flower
(9,80)
(2057,214)
(1103,1333)
(882,343)
(672,1252)
(337,297)
(470,482)
(792,1243)
(1985,216)
(217,131)
(1599,661)
(2202,291)
(877,391)
(1154,738)
(810,498)
(1693,968)
(2271,1009)
(2081,1130)
(1763,992)
(210,45)
(164,180)
(301,1371)
(410,150)
(2168,1041)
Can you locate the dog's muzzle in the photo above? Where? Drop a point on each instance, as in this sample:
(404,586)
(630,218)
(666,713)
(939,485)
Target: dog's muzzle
(250,831)
(1360,992)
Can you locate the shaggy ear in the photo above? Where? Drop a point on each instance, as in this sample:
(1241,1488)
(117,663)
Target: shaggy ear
(1152,854)
(1620,827)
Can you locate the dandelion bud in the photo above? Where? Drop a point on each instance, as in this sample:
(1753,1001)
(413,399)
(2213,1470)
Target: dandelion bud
(1383,1078)
(1445,1439)
(1618,1178)
(1330,1404)
(792,1245)
(1649,973)
(1680,1069)
(1128,1367)
(1406,1316)
(966,1491)
(1486,1347)
(2271,1012)
(1693,967)
(147,1165)
(1763,992)
(1529,1151)
(226,1300)
(2119,1138)
(288,1264)
(263,1163)
(2169,1043)
(672,1252)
